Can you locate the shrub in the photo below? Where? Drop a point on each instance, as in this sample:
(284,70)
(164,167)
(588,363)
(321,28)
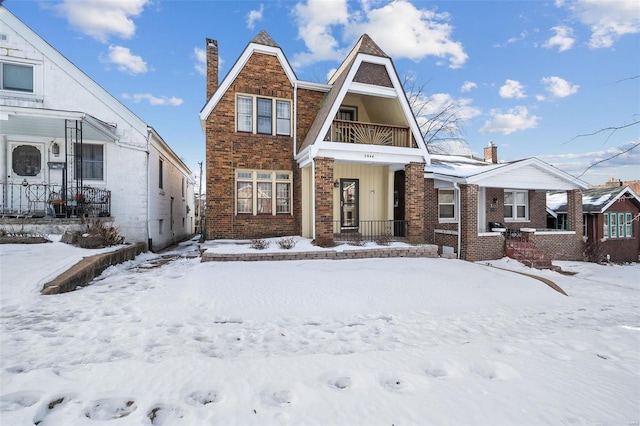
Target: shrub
(259,244)
(356,240)
(287,243)
(109,233)
(384,239)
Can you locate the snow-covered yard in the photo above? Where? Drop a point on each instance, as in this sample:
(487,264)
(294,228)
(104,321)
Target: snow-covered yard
(321,342)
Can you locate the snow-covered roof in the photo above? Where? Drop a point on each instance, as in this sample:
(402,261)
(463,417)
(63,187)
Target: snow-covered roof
(594,200)
(459,166)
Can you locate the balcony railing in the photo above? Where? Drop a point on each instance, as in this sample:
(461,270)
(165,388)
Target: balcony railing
(52,200)
(370,134)
(370,230)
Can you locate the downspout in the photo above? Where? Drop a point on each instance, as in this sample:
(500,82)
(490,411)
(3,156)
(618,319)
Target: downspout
(148,151)
(313,197)
(457,191)
(295,118)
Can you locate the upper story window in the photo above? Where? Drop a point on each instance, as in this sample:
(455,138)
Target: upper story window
(160,174)
(91,157)
(16,77)
(248,107)
(516,205)
(447,205)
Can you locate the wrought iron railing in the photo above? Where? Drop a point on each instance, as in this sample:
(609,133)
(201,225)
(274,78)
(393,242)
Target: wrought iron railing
(370,230)
(53,200)
(370,134)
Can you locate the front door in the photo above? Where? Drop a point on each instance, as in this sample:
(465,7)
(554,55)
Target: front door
(349,200)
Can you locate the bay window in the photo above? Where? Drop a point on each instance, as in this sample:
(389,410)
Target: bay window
(516,205)
(255,192)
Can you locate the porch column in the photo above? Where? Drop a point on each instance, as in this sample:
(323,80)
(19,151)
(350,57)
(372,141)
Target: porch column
(323,182)
(414,184)
(469,247)
(574,212)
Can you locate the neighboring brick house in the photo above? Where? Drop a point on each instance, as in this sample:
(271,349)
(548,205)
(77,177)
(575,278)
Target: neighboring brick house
(611,216)
(70,150)
(347,159)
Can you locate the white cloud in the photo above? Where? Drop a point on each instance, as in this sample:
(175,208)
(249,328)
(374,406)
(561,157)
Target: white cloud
(254,16)
(512,89)
(398,27)
(315,21)
(126,61)
(608,20)
(201,60)
(515,119)
(467,86)
(153,100)
(330,73)
(563,39)
(559,87)
(103,18)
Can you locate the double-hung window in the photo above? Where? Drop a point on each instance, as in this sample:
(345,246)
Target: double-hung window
(266,122)
(618,225)
(447,205)
(16,77)
(516,205)
(255,192)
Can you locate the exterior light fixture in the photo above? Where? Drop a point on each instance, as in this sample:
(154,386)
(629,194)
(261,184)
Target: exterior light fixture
(55,149)
(336,184)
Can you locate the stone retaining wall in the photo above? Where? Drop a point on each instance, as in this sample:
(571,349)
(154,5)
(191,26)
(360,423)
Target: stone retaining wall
(428,250)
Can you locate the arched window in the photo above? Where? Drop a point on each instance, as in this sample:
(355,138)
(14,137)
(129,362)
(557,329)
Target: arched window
(26,160)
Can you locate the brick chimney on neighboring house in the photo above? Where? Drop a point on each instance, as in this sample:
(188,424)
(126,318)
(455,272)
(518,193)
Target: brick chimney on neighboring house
(212,67)
(491,153)
(613,182)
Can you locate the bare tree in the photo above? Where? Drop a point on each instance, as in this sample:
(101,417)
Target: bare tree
(440,117)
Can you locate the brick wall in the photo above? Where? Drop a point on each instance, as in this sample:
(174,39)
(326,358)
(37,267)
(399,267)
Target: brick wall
(574,212)
(618,249)
(227,150)
(558,246)
(324,201)
(415,201)
(430,211)
(309,103)
(469,249)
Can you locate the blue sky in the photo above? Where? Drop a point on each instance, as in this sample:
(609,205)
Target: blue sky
(530,75)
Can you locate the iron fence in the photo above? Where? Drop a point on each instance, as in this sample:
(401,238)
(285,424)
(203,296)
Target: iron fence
(370,230)
(53,200)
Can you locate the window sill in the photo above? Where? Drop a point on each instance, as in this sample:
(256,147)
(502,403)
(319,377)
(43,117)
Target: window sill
(447,220)
(516,220)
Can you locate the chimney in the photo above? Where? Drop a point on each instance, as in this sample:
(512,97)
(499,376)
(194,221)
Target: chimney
(613,182)
(212,67)
(491,153)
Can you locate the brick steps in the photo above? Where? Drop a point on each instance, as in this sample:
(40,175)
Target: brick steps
(527,254)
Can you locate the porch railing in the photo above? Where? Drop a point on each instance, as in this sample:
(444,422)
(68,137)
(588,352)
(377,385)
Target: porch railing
(370,230)
(370,134)
(53,200)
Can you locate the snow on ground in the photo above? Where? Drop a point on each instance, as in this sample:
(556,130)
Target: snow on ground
(319,342)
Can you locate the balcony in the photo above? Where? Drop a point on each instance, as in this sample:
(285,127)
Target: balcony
(24,200)
(370,134)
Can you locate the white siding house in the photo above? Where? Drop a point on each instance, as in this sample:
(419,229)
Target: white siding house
(70,150)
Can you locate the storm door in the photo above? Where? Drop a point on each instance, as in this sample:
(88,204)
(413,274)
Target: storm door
(349,200)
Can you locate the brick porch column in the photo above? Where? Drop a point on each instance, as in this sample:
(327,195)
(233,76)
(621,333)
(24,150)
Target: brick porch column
(468,212)
(414,202)
(574,212)
(323,181)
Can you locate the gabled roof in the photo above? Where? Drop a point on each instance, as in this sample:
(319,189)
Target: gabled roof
(343,81)
(594,200)
(529,173)
(67,66)
(261,43)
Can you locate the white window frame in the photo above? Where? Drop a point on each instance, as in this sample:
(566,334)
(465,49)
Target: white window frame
(454,204)
(18,64)
(104,162)
(272,177)
(276,130)
(514,206)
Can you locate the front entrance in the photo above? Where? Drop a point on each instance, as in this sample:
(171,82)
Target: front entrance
(398,203)
(349,201)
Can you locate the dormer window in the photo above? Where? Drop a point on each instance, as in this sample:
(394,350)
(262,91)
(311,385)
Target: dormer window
(16,77)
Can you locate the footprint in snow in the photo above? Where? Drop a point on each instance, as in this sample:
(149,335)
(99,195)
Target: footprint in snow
(163,414)
(397,385)
(18,400)
(110,408)
(491,370)
(203,397)
(340,383)
(277,398)
(49,408)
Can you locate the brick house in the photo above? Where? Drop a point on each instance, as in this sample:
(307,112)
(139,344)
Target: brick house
(347,159)
(611,217)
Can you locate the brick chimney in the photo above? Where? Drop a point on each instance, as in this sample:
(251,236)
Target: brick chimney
(613,182)
(491,153)
(212,67)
